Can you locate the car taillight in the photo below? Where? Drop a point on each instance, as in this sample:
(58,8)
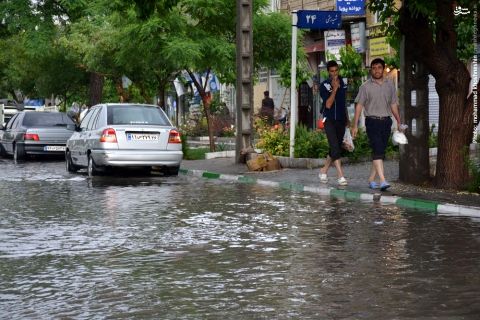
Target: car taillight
(108,135)
(174,137)
(31,136)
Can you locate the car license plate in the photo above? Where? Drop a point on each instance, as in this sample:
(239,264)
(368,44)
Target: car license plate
(142,137)
(54,148)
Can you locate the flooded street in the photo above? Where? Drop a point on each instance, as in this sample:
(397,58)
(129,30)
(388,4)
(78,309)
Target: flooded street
(184,247)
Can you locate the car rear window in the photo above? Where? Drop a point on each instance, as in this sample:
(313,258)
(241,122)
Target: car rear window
(37,119)
(136,115)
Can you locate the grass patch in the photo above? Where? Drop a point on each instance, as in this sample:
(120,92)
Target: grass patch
(195,154)
(474,184)
(192,153)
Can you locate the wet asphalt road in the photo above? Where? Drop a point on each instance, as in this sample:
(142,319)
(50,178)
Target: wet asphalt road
(153,247)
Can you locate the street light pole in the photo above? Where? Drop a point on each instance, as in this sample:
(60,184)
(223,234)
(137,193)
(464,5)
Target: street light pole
(293,85)
(317,98)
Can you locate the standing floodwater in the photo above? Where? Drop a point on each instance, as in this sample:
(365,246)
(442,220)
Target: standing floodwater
(189,248)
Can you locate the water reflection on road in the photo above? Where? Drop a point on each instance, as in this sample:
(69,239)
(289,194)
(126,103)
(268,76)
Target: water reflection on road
(189,248)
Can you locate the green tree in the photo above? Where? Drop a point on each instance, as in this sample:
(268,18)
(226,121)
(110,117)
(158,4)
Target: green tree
(37,64)
(444,42)
(352,69)
(149,41)
(206,43)
(143,29)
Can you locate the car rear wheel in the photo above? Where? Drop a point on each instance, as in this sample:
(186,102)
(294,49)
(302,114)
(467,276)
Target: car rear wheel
(171,171)
(18,152)
(92,168)
(2,151)
(69,163)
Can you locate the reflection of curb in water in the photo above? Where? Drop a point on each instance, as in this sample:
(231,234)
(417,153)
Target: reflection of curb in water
(417,204)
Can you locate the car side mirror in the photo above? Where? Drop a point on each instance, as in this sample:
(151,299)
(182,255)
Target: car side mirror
(77,128)
(71,127)
(2,126)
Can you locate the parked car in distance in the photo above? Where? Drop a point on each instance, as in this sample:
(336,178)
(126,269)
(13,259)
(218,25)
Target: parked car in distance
(35,133)
(124,135)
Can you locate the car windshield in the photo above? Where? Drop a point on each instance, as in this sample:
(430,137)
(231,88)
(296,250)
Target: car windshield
(37,119)
(136,114)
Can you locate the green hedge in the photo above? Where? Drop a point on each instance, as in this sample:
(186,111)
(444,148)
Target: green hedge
(311,144)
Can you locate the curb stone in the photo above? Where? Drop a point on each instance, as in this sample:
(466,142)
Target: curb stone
(417,204)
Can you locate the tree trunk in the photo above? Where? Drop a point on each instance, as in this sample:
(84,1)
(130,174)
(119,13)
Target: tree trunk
(123,95)
(96,88)
(455,133)
(144,94)
(452,84)
(207,100)
(161,95)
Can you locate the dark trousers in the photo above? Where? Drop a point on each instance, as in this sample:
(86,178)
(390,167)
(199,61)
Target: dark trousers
(378,132)
(335,130)
(267,115)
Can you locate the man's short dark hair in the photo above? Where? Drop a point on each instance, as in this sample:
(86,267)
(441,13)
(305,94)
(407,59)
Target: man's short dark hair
(266,93)
(331,63)
(377,61)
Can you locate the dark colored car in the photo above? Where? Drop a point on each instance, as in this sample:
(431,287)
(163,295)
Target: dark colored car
(36,133)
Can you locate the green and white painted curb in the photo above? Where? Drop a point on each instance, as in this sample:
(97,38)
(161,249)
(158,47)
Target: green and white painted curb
(418,204)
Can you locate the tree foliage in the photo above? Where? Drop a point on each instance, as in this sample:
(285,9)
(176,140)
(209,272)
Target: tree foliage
(389,15)
(149,41)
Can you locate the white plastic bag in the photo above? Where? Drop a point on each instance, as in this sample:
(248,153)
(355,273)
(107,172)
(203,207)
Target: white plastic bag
(348,141)
(399,137)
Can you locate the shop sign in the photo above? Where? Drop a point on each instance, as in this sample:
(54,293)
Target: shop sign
(334,40)
(378,47)
(376,31)
(351,7)
(357,30)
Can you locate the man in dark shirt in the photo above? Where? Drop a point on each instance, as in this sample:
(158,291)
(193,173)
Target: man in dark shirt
(333,92)
(267,108)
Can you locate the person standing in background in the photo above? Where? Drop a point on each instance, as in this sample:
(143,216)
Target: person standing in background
(333,92)
(267,109)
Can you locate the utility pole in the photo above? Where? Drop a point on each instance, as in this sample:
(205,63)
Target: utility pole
(244,84)
(414,165)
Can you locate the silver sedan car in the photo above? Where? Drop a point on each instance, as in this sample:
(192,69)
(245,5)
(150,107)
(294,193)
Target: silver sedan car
(124,135)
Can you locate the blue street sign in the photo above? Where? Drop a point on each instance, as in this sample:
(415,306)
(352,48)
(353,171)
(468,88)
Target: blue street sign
(351,7)
(314,19)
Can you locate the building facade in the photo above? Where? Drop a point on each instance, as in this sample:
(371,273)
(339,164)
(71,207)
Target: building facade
(320,46)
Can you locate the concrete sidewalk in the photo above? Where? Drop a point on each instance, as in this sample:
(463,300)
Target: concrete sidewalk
(442,201)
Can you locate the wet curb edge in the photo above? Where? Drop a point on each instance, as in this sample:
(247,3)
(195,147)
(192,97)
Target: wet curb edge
(417,204)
